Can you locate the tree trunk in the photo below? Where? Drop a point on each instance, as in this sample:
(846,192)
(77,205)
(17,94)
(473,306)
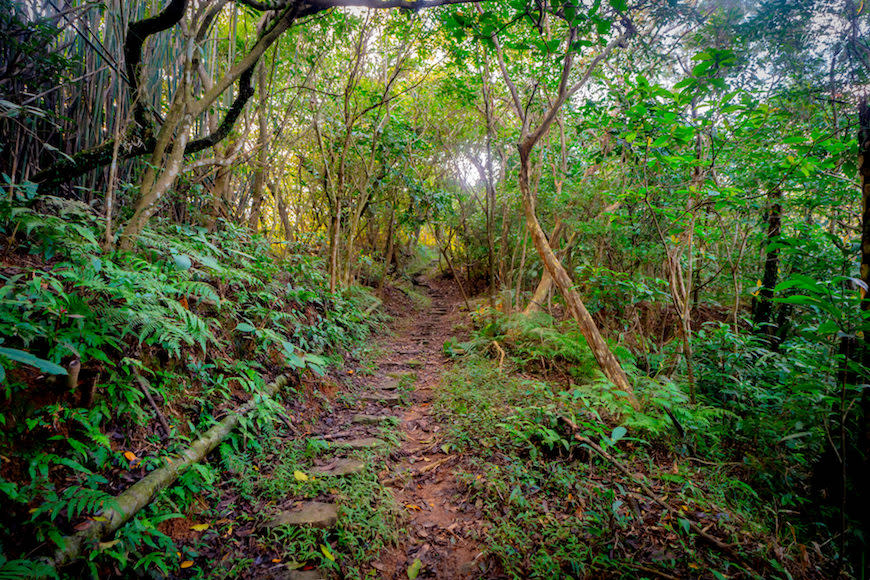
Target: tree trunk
(546,283)
(764,306)
(289,234)
(608,363)
(141,493)
(334,242)
(388,251)
(262,151)
(164,167)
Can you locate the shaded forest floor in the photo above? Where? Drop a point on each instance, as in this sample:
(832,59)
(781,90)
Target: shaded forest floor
(405,465)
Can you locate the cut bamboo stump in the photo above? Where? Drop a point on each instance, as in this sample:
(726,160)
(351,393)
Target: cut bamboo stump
(313,513)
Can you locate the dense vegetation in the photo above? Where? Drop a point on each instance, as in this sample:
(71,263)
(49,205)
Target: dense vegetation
(657,214)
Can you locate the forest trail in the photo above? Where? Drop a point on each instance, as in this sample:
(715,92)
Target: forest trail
(440,528)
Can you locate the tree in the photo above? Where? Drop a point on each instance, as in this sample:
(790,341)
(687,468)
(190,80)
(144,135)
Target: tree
(167,141)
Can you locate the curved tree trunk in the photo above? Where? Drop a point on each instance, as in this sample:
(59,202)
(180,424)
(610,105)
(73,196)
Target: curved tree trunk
(536,304)
(609,364)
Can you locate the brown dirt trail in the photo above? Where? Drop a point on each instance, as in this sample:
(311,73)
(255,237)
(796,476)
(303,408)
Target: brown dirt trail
(442,529)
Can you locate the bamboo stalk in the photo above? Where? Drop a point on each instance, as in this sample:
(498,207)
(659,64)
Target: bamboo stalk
(141,493)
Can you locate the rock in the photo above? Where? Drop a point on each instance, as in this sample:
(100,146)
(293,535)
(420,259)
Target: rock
(364,443)
(313,513)
(381,397)
(362,419)
(340,467)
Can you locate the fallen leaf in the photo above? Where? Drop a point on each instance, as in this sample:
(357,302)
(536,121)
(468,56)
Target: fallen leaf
(130,456)
(107,545)
(199,527)
(187,564)
(327,553)
(276,560)
(300,476)
(411,506)
(414,569)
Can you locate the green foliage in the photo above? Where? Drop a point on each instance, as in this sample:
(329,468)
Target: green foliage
(532,341)
(555,510)
(197,317)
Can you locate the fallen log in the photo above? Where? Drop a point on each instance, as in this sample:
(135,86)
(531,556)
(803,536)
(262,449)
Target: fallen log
(141,493)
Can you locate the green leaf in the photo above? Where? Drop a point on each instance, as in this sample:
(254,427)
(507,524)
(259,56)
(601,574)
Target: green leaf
(828,327)
(245,327)
(28,359)
(414,569)
(618,433)
(685,524)
(182,261)
(329,555)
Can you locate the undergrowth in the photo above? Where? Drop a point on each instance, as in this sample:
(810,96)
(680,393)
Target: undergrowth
(196,319)
(558,509)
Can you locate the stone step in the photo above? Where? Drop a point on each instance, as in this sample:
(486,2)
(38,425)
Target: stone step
(363,443)
(340,467)
(362,419)
(389,384)
(311,513)
(390,397)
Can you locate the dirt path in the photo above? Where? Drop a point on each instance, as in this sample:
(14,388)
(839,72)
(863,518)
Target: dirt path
(420,473)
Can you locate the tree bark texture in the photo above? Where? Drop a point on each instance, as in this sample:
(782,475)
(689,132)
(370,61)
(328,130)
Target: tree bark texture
(764,306)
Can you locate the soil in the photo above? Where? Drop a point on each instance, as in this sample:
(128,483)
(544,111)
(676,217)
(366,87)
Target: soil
(441,527)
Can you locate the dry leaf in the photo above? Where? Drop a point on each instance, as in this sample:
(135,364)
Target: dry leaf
(130,456)
(276,560)
(106,545)
(300,476)
(411,506)
(199,527)
(187,564)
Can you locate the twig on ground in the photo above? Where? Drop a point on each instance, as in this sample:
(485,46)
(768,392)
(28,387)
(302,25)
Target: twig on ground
(693,526)
(145,386)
